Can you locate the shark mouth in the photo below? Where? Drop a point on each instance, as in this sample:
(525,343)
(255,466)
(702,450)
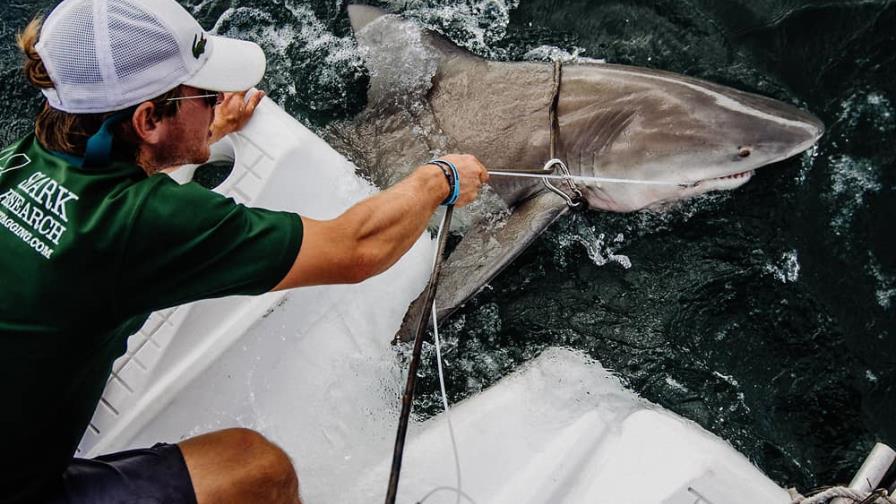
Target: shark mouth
(726,181)
(748,173)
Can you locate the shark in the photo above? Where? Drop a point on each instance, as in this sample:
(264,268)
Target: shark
(630,138)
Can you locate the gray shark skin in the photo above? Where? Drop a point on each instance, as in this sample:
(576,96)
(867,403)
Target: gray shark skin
(614,121)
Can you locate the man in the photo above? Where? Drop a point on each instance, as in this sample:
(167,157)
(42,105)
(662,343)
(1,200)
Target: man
(93,238)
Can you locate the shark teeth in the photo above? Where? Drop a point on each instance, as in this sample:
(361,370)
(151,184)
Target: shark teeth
(734,176)
(747,173)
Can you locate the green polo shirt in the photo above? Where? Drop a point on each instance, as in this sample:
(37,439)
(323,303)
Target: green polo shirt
(85,256)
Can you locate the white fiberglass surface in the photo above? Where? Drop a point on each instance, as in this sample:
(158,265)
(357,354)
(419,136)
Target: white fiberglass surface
(317,376)
(563,429)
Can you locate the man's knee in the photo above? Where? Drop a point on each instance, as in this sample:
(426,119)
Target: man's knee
(240,462)
(263,460)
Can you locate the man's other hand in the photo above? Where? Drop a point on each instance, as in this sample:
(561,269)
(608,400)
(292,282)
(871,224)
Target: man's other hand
(233,113)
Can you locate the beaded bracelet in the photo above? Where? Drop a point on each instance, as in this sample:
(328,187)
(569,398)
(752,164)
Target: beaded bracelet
(453,180)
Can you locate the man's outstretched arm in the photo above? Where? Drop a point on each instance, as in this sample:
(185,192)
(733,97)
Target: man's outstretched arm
(372,235)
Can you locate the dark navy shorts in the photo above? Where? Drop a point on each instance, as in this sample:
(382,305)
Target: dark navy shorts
(146,476)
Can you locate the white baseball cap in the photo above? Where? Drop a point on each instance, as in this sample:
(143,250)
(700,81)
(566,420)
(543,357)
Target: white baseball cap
(107,55)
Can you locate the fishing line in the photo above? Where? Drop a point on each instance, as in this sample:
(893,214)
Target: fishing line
(582,178)
(446,489)
(435,331)
(457,490)
(407,397)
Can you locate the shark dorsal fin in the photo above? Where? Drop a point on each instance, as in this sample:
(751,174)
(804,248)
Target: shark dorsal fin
(402,56)
(362,15)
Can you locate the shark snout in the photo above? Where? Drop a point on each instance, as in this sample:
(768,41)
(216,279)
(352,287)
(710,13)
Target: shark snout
(771,131)
(755,132)
(646,124)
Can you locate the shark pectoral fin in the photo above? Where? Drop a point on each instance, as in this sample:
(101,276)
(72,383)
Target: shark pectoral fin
(482,254)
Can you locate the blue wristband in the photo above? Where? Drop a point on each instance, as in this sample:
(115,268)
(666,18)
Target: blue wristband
(446,171)
(455,180)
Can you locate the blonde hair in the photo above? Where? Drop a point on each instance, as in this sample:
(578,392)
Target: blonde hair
(65,132)
(35,71)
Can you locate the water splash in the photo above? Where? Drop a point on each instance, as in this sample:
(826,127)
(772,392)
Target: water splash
(553,53)
(807,162)
(786,269)
(675,384)
(311,70)
(476,25)
(885,283)
(855,164)
(403,74)
(601,249)
(853,179)
(867,108)
(870,376)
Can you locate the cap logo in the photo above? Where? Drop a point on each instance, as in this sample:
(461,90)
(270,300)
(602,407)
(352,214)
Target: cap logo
(198,45)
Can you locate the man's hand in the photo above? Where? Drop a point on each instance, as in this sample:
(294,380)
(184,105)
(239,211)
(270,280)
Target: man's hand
(233,113)
(472,175)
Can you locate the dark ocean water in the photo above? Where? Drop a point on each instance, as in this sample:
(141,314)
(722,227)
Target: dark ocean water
(765,314)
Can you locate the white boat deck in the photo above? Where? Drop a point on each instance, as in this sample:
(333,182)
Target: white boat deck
(314,371)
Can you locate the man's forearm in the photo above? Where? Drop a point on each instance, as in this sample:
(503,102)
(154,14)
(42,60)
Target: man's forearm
(387,225)
(371,236)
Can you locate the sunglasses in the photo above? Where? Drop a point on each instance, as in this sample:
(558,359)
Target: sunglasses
(211,99)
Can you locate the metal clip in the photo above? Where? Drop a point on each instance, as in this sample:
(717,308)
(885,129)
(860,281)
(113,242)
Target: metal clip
(564,172)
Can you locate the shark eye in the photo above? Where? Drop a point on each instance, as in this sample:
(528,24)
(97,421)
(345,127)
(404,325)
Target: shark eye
(743,151)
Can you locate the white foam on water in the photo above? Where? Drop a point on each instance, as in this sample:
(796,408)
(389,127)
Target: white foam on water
(870,376)
(885,283)
(336,61)
(274,39)
(601,249)
(852,180)
(474,24)
(675,384)
(853,176)
(807,162)
(726,378)
(315,35)
(553,53)
(403,74)
(885,297)
(786,269)
(197,8)
(869,106)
